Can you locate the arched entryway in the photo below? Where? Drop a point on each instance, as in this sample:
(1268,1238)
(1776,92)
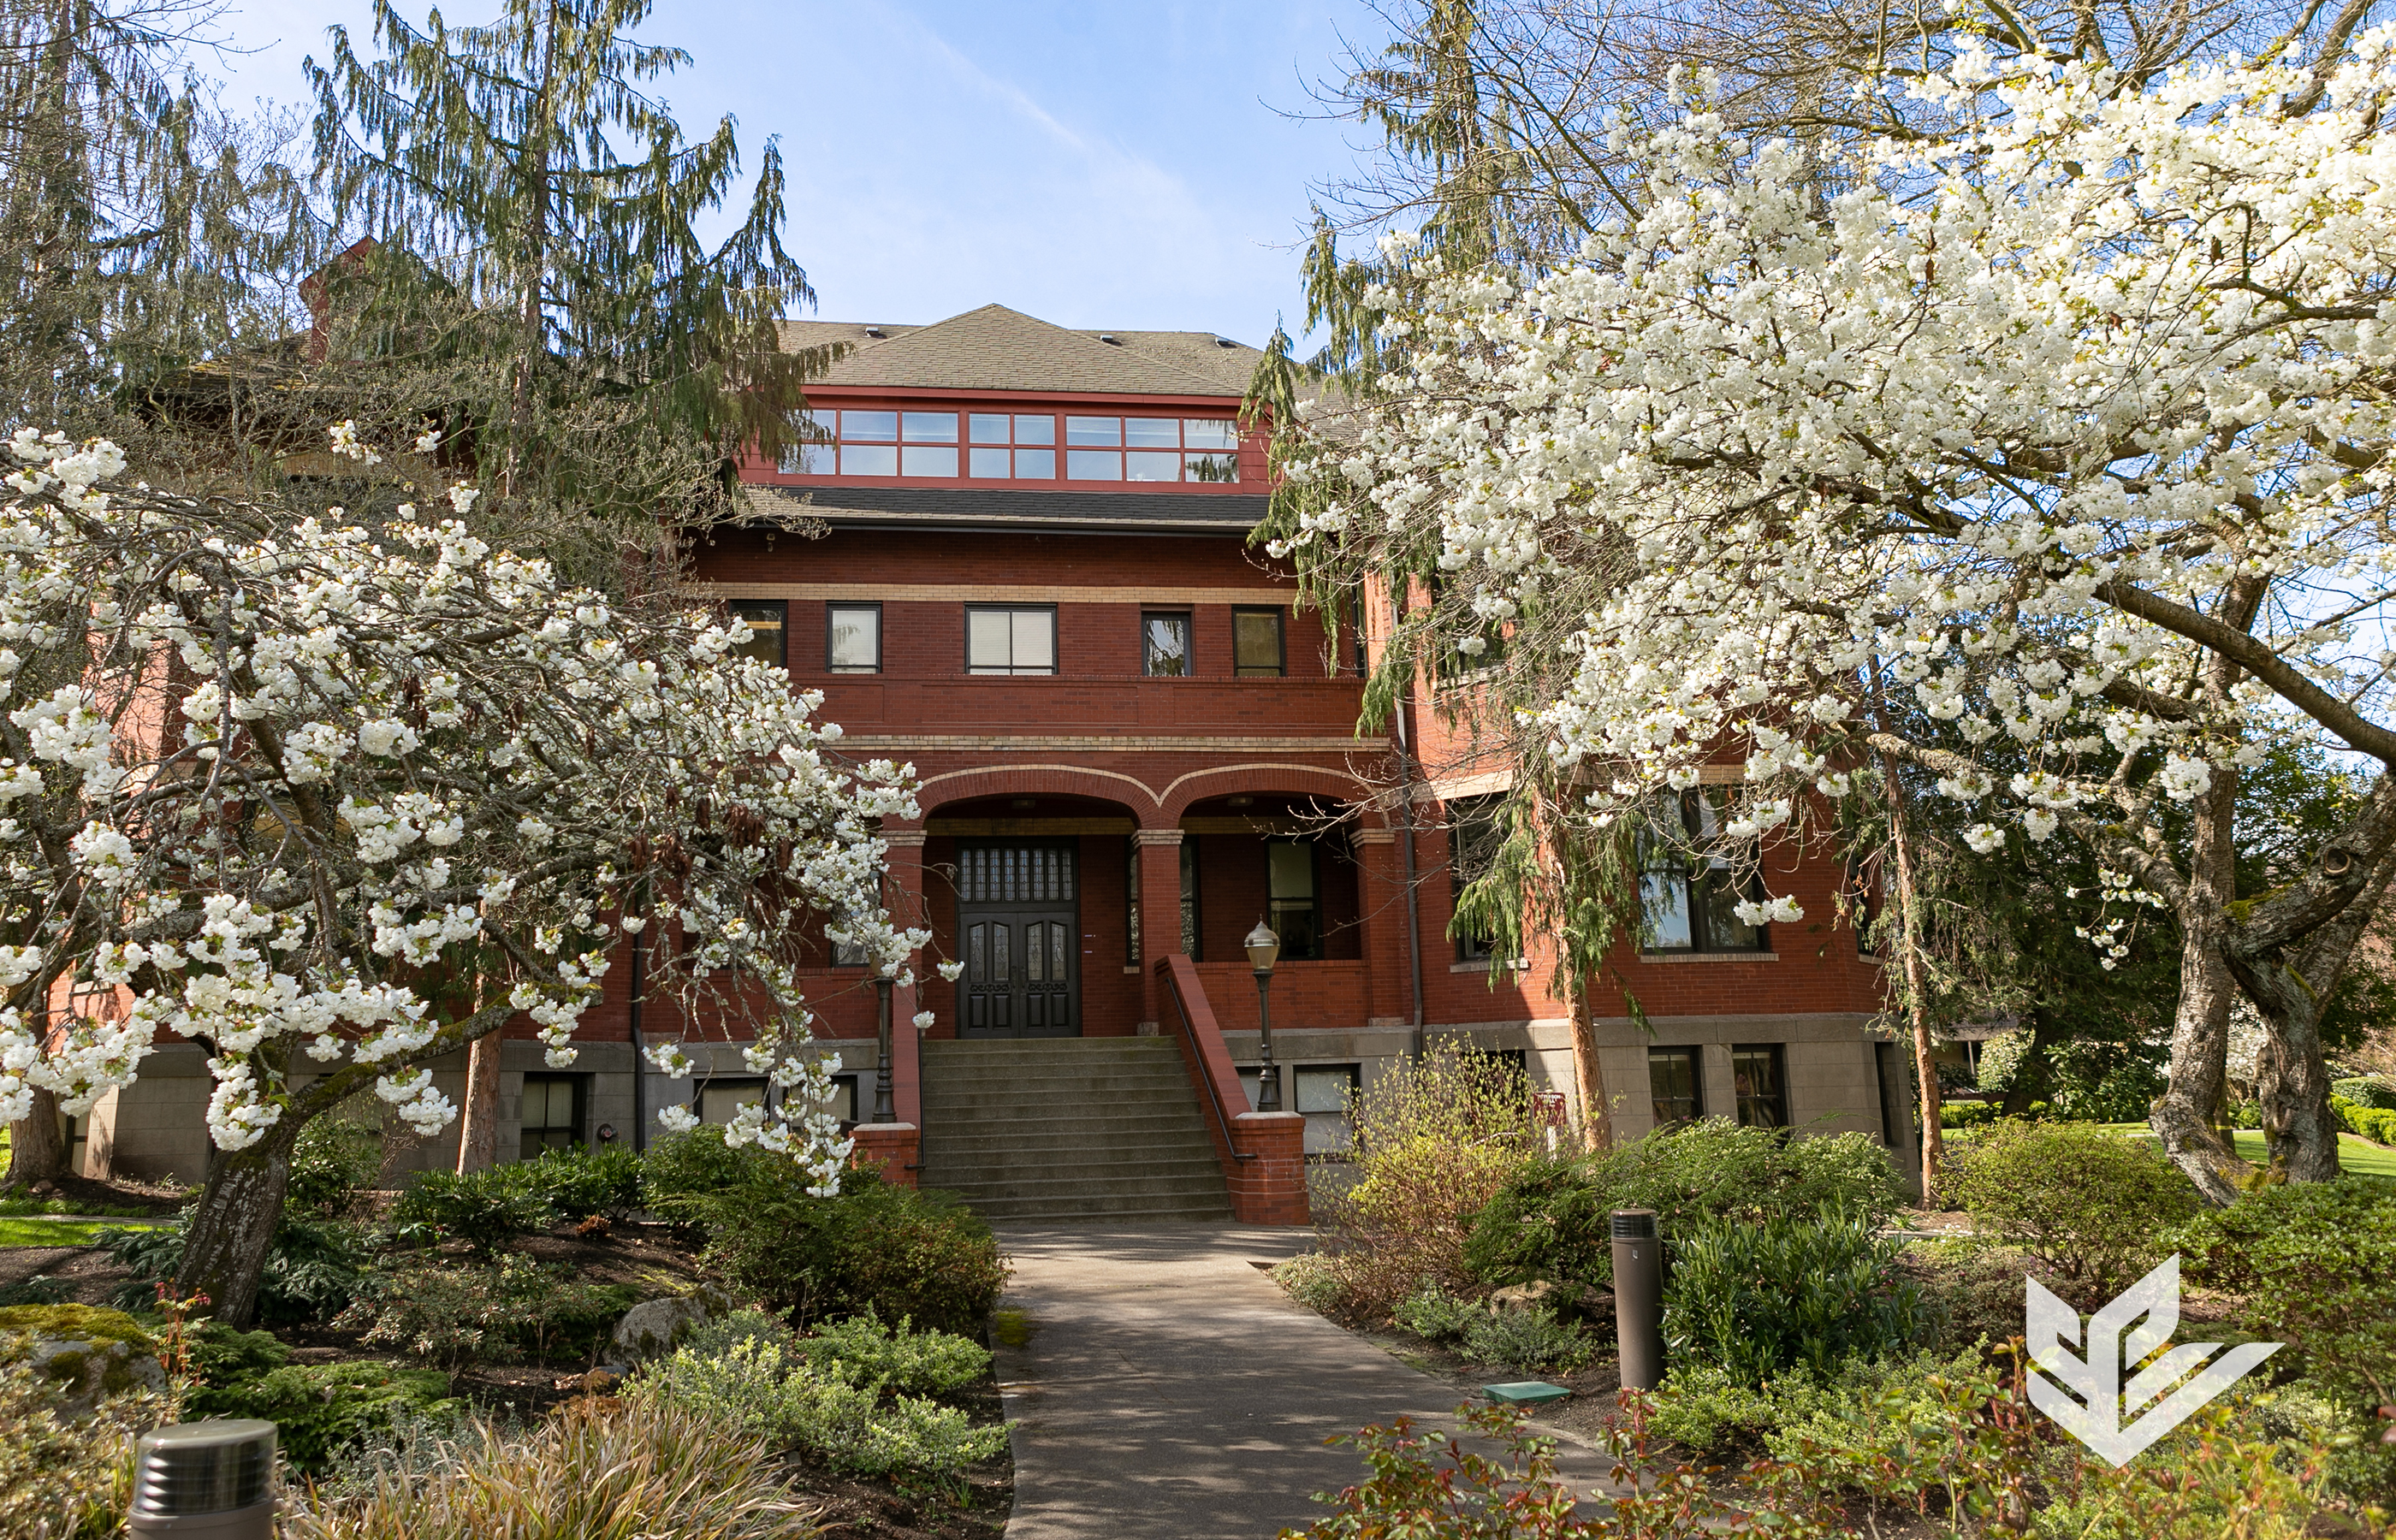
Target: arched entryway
(1029,894)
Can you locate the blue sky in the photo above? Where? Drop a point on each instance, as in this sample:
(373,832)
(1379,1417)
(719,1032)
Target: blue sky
(1096,164)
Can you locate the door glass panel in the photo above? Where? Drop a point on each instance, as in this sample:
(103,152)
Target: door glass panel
(1001,969)
(978,954)
(1057,938)
(1035,956)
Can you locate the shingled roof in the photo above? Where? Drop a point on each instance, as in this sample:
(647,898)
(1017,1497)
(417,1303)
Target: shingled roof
(997,348)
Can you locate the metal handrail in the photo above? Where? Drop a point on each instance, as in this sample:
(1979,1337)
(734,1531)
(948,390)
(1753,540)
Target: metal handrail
(1198,1056)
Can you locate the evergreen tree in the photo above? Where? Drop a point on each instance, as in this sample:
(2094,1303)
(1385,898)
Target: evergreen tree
(536,268)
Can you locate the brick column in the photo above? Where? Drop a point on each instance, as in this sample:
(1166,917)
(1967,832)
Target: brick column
(1268,1185)
(903,891)
(1160,913)
(1381,900)
(888,1147)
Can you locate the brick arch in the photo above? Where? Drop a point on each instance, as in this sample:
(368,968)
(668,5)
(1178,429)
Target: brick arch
(1265,776)
(1129,793)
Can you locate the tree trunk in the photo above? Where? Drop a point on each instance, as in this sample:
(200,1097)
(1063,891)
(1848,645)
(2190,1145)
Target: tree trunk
(2182,1116)
(231,1232)
(35,1151)
(1589,1076)
(1917,984)
(478,1131)
(2291,987)
(2035,1075)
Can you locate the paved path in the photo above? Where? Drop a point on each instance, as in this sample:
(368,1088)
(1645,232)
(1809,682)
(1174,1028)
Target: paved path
(1168,1391)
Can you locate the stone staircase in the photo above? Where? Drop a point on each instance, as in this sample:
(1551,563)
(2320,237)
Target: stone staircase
(1107,1130)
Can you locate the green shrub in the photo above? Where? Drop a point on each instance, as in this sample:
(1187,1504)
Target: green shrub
(889,1250)
(1757,1298)
(577,1183)
(1966,1114)
(2089,1202)
(221,1357)
(455,1314)
(1706,1408)
(754,1387)
(594,1472)
(339,1155)
(1552,1220)
(894,1356)
(1432,1313)
(1528,1342)
(717,1334)
(687,1177)
(2375,1124)
(2367,1091)
(313,1268)
(485,1209)
(1435,1141)
(2314,1265)
(319,1408)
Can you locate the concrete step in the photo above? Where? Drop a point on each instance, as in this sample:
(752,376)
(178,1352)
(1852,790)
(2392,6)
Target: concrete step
(1029,1092)
(1121,1122)
(1164,1163)
(987,1146)
(1101,1208)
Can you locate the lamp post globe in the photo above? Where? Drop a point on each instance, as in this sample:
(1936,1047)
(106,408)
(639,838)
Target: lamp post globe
(1263,948)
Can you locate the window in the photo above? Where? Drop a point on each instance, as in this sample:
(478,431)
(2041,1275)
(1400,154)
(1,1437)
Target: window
(552,1118)
(1017,445)
(1356,629)
(816,453)
(1164,645)
(1321,1093)
(1256,643)
(1294,915)
(848,954)
(868,444)
(1688,904)
(768,629)
(852,638)
(843,1102)
(1473,836)
(1131,903)
(1010,641)
(1151,450)
(1896,1123)
(1759,1071)
(721,1100)
(1190,899)
(1674,1085)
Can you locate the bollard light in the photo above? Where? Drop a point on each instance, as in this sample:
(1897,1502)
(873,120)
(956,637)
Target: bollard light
(1639,1298)
(205,1480)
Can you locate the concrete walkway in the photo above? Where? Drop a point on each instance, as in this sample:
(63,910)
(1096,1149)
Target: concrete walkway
(1169,1390)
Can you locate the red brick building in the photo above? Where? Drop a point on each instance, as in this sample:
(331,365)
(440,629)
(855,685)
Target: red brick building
(1031,576)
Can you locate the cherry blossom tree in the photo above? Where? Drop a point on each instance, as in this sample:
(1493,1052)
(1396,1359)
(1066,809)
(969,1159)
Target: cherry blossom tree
(2059,413)
(335,802)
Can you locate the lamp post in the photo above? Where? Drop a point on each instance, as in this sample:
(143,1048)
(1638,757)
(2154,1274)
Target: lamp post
(883,1110)
(1263,946)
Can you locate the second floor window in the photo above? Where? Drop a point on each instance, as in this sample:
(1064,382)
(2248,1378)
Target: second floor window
(1151,450)
(1164,645)
(768,622)
(1010,639)
(852,638)
(1473,836)
(1688,897)
(1256,643)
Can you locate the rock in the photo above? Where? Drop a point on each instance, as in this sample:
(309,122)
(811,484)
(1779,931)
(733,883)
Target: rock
(1565,1301)
(85,1354)
(651,1328)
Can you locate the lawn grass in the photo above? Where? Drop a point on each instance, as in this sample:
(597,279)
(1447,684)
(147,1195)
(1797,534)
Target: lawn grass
(56,1232)
(2355,1157)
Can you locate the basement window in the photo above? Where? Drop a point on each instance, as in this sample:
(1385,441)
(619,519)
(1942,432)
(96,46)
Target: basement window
(552,1115)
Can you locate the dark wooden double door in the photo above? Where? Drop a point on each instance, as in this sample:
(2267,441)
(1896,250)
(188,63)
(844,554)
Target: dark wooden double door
(1018,927)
